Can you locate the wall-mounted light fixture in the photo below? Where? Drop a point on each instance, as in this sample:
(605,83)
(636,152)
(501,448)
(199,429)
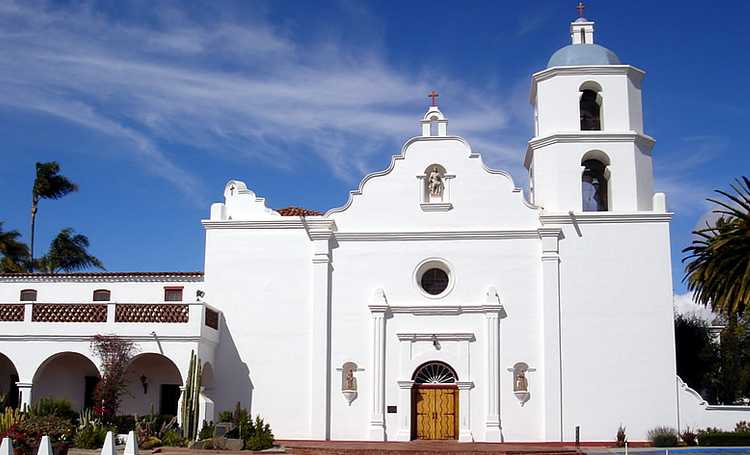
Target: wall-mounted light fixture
(144,383)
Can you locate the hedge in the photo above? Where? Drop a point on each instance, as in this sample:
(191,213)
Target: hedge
(724,438)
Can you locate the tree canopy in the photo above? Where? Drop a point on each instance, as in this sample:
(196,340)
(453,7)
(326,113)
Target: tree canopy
(718,260)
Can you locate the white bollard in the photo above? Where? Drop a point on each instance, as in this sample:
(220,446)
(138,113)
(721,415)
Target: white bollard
(109,444)
(6,447)
(131,444)
(45,447)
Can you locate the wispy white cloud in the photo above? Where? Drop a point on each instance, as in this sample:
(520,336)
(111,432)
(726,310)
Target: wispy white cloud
(225,87)
(684,305)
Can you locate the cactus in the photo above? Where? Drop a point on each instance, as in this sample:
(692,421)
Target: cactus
(9,418)
(190,398)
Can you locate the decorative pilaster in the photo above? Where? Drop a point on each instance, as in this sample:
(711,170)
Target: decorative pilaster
(550,330)
(492,342)
(24,392)
(492,425)
(320,334)
(404,410)
(377,409)
(464,411)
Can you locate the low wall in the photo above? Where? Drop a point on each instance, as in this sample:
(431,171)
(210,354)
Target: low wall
(696,413)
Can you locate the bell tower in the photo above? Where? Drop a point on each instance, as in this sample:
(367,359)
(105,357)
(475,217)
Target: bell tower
(589,152)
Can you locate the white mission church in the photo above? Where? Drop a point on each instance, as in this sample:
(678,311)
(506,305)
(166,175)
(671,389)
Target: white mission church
(437,303)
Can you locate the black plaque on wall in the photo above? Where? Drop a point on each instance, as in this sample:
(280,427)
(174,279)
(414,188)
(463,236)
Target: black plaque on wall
(392,409)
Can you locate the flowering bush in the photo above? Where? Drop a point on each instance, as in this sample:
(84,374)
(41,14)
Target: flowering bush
(115,354)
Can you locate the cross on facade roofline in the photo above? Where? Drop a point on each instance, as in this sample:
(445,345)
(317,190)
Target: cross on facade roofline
(433,95)
(580,9)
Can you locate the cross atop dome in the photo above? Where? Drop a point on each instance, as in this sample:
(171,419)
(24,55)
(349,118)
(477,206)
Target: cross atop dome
(581,29)
(433,94)
(434,122)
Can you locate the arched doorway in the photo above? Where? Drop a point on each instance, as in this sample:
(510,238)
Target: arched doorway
(8,380)
(153,386)
(68,375)
(435,402)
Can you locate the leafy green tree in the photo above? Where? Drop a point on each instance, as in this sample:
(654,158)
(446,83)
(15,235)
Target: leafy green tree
(68,253)
(697,354)
(718,260)
(14,254)
(48,184)
(733,381)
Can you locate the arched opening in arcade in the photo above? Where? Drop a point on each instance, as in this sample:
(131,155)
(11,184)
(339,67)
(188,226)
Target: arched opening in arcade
(67,375)
(8,380)
(153,386)
(435,402)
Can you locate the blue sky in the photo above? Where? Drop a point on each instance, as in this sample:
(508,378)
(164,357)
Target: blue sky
(152,106)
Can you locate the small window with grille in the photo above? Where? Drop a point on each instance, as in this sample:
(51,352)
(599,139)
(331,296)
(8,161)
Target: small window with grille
(173,294)
(101,295)
(28,295)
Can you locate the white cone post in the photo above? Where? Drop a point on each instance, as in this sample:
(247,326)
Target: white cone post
(6,447)
(45,447)
(109,444)
(131,445)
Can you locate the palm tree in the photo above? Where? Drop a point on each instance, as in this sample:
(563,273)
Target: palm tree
(718,260)
(68,253)
(48,184)
(14,254)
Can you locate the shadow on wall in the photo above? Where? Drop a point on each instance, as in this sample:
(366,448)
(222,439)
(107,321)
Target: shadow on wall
(232,376)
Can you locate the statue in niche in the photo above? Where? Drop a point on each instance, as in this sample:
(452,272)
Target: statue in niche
(350,382)
(435,183)
(521,384)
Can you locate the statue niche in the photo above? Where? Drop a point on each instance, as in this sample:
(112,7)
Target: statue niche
(521,382)
(349,382)
(434,184)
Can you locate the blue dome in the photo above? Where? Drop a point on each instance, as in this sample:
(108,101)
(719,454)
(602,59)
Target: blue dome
(583,54)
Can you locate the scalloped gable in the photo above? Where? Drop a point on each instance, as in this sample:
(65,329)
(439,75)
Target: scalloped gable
(475,196)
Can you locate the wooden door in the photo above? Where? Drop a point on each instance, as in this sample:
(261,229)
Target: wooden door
(435,412)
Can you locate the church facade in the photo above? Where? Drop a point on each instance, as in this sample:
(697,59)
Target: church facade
(438,303)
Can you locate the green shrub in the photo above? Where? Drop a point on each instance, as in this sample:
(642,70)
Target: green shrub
(663,437)
(207,431)
(173,438)
(91,436)
(150,443)
(689,437)
(258,436)
(712,437)
(53,407)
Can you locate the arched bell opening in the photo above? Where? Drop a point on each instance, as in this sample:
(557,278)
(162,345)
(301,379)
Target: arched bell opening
(595,191)
(590,106)
(435,402)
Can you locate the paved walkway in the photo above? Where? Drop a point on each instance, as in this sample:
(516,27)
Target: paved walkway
(422,448)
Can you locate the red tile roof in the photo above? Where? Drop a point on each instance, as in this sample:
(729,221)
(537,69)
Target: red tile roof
(298,211)
(103,274)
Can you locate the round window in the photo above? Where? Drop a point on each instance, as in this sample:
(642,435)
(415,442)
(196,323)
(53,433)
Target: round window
(434,278)
(434,281)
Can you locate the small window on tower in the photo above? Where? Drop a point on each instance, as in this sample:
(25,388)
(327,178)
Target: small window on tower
(28,295)
(173,294)
(101,295)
